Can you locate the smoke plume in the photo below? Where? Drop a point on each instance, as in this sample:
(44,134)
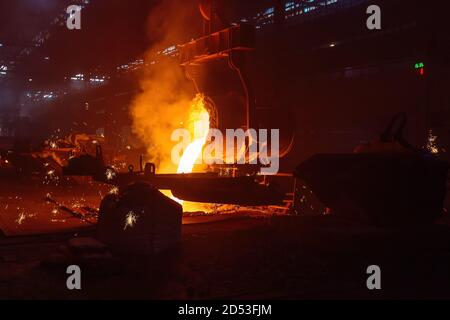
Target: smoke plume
(165,98)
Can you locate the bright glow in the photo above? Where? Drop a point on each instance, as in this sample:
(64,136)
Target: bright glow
(97,79)
(419,65)
(78,77)
(169,51)
(199,128)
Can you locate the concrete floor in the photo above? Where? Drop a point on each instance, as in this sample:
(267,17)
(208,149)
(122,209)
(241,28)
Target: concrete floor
(24,210)
(237,256)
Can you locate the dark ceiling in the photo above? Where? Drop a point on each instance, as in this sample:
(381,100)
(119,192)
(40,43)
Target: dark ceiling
(113,33)
(20,20)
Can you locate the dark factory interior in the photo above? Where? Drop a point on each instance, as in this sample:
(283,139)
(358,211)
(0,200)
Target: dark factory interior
(224,149)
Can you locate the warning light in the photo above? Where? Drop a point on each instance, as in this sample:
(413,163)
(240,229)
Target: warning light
(420,66)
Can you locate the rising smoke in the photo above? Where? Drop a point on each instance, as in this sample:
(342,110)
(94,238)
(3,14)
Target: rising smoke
(165,98)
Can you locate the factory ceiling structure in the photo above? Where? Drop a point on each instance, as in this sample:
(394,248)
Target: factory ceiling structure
(218,149)
(36,43)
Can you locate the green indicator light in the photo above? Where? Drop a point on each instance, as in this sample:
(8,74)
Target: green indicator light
(419,65)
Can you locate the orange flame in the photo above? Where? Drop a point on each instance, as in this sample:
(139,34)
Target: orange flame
(198,127)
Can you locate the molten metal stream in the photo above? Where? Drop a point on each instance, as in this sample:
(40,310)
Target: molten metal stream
(198,127)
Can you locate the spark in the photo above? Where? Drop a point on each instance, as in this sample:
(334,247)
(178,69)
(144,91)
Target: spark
(431,143)
(130,220)
(114,190)
(51,177)
(110,174)
(21,218)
